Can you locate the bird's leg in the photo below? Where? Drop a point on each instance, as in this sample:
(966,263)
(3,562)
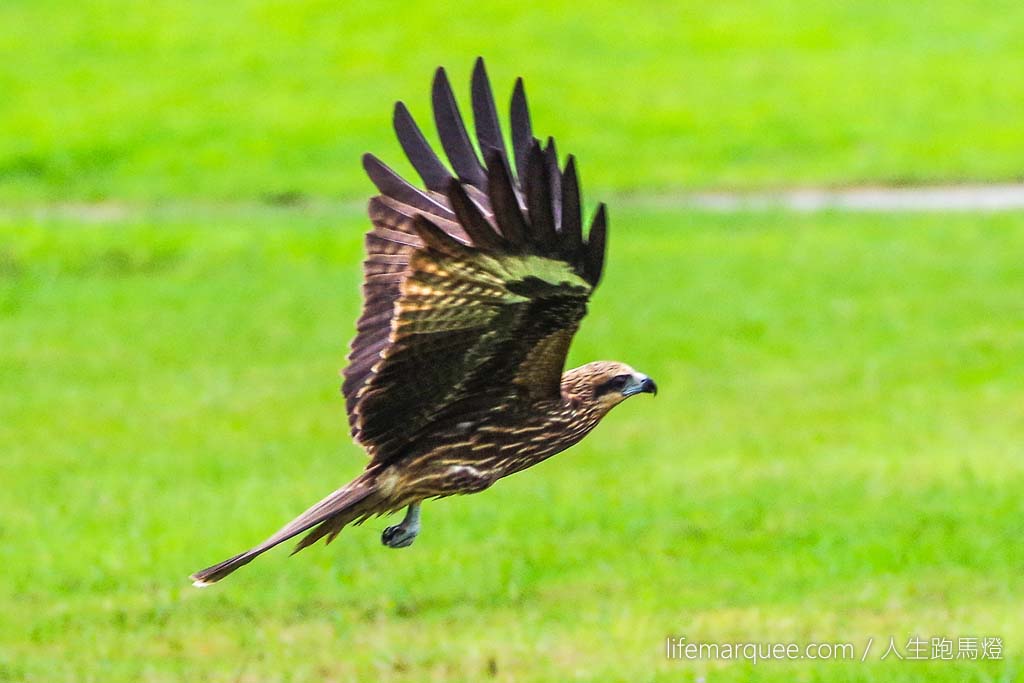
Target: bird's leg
(402,535)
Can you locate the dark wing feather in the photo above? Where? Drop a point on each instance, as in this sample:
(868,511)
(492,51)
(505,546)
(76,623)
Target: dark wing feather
(504,201)
(390,184)
(485,114)
(435,176)
(572,211)
(454,138)
(538,197)
(381,288)
(596,246)
(473,287)
(551,157)
(522,129)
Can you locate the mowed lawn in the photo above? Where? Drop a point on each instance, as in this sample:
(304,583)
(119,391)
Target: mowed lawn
(185,98)
(835,454)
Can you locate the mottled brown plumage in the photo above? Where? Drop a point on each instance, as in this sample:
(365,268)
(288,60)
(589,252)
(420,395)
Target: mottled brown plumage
(473,289)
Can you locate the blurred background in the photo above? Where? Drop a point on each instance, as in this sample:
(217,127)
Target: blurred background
(835,451)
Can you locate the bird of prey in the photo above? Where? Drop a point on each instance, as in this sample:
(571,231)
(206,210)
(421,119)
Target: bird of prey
(473,289)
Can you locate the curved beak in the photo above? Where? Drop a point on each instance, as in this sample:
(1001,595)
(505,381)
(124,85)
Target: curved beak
(642,384)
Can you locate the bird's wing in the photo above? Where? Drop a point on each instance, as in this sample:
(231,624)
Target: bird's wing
(474,286)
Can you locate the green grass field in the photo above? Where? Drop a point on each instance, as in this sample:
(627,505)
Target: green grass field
(108,99)
(835,454)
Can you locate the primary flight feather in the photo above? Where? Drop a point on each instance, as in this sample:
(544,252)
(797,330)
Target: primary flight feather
(473,289)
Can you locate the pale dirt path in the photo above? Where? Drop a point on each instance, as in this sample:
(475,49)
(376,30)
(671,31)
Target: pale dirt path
(937,198)
(1001,197)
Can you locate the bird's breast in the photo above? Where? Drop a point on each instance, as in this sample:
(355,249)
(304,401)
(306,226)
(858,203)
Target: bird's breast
(469,454)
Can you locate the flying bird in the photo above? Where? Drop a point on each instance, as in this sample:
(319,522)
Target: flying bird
(473,289)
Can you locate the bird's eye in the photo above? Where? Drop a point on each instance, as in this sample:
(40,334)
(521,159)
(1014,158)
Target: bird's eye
(616,383)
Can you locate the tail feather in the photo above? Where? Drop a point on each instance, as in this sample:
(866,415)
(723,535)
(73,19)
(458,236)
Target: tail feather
(330,528)
(332,513)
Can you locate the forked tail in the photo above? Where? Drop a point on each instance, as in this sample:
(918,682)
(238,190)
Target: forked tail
(331,514)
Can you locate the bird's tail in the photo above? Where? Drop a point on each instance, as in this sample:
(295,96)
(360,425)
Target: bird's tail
(330,515)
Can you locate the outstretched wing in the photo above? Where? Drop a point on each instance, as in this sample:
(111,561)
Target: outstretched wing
(474,286)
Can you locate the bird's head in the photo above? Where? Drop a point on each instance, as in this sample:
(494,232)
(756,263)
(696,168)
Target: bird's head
(605,384)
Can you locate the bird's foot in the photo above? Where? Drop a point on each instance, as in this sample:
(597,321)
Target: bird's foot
(398,536)
(402,535)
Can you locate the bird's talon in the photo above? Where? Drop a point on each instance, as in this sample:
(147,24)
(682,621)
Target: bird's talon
(402,535)
(397,537)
